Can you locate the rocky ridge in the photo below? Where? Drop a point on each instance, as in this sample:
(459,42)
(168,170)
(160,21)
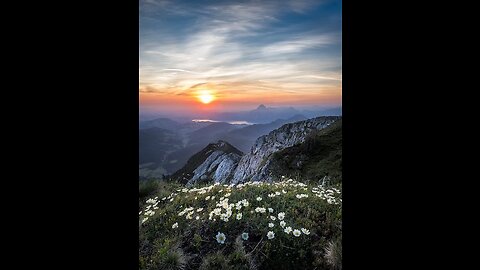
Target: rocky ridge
(220,162)
(255,165)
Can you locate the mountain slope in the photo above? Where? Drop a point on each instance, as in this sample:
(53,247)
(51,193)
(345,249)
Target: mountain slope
(318,158)
(163,123)
(212,132)
(255,165)
(154,146)
(215,162)
(261,115)
(244,138)
(306,147)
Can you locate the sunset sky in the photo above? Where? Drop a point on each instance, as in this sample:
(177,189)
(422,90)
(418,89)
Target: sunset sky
(235,55)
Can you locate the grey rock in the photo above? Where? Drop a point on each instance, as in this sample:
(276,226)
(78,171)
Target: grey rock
(255,165)
(218,166)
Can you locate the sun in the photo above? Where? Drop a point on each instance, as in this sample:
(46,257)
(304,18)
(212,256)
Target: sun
(205,97)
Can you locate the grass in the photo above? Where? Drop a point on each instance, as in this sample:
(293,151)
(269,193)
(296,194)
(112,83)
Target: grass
(318,157)
(171,236)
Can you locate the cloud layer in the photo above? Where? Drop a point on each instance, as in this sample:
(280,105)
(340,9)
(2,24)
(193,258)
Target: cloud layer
(241,49)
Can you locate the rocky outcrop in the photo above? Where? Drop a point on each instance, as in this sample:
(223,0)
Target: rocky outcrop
(216,163)
(218,167)
(220,162)
(254,166)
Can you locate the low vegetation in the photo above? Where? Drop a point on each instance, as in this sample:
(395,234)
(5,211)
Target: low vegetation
(318,158)
(280,225)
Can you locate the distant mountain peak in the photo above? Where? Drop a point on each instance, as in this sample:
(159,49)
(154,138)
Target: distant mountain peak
(262,107)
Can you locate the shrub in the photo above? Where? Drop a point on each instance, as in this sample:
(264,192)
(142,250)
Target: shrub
(333,253)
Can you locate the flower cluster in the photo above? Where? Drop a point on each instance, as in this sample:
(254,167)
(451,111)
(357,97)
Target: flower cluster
(228,207)
(260,210)
(224,209)
(329,195)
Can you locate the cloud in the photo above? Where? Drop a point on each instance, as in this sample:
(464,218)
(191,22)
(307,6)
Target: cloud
(225,46)
(295,45)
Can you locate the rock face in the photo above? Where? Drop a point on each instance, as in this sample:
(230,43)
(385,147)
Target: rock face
(254,166)
(220,162)
(218,167)
(216,163)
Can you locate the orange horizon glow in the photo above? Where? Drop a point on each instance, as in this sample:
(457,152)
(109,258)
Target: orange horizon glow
(220,99)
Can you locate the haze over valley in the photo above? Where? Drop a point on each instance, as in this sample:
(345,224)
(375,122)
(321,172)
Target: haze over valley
(166,145)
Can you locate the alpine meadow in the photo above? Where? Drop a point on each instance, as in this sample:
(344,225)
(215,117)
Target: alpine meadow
(240,135)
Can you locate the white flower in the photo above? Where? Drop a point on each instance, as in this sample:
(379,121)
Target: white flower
(296,232)
(171,199)
(145,219)
(207,198)
(281,215)
(149,213)
(225,204)
(197,218)
(260,210)
(221,238)
(305,231)
(273,218)
(259,198)
(282,224)
(229,213)
(299,196)
(239,216)
(277,193)
(228,194)
(140,212)
(288,230)
(245,236)
(283,191)
(270,235)
(271,225)
(224,217)
(270,210)
(152,201)
(199,209)
(175,225)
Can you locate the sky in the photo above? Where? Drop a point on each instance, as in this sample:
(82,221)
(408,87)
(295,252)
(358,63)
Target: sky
(234,55)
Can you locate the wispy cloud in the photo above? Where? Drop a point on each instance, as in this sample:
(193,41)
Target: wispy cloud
(237,45)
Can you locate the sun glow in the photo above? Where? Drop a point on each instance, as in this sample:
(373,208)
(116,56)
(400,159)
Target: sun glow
(205,97)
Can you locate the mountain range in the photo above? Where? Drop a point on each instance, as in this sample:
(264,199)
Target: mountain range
(310,148)
(263,114)
(166,145)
